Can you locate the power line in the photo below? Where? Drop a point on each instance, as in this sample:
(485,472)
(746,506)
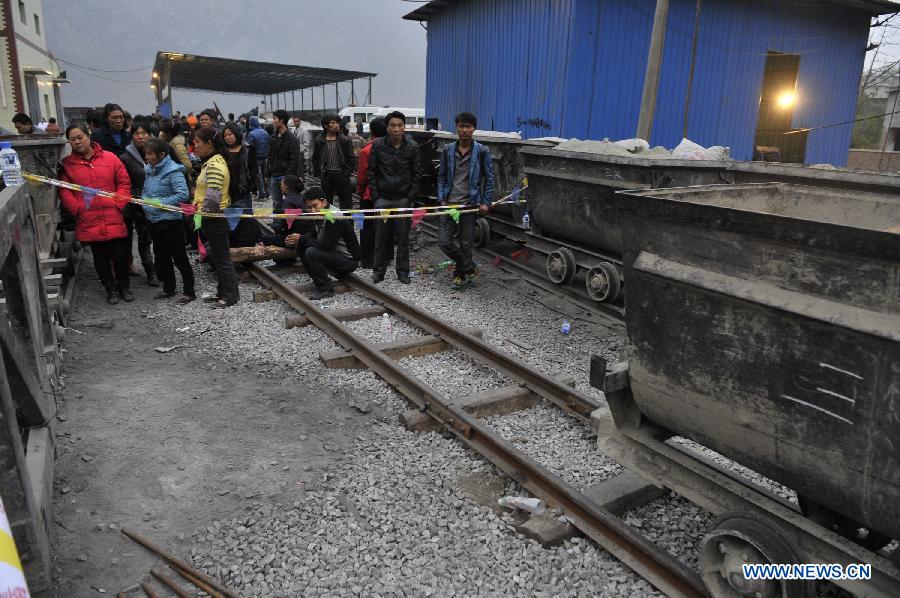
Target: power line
(88,68)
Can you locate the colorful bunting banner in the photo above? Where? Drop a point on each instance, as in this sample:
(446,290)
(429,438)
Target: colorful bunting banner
(359,219)
(89,194)
(292,212)
(454,213)
(262,213)
(417,216)
(188,209)
(233,215)
(198,220)
(329,215)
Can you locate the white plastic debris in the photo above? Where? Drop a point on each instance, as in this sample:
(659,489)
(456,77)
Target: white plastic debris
(633,145)
(688,150)
(523,503)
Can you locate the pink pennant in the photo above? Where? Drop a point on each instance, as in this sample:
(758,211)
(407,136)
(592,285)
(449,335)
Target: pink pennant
(417,216)
(188,209)
(201,249)
(292,211)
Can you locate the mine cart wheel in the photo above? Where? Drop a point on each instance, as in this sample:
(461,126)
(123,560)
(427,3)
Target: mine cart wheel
(602,283)
(739,538)
(843,526)
(561,266)
(482,233)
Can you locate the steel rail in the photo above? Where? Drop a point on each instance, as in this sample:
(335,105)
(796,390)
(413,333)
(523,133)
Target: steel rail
(649,561)
(534,277)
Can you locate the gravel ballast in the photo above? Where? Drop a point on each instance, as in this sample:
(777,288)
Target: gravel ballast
(391,516)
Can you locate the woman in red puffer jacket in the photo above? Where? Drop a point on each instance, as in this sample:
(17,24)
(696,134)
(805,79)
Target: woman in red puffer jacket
(98,220)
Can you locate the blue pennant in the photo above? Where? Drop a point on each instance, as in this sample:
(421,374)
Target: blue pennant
(233,215)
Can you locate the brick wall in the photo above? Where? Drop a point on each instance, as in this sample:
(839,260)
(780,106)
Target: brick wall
(873,160)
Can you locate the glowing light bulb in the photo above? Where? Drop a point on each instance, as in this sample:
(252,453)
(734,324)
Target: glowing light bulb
(786,99)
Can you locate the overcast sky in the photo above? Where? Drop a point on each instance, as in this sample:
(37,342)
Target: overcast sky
(362,35)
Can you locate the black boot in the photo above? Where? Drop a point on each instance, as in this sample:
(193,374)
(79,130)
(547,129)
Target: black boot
(152,280)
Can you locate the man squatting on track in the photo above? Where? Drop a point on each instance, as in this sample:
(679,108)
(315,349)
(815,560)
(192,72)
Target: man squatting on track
(324,247)
(465,176)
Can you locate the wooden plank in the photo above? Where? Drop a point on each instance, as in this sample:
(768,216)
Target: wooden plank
(408,347)
(270,295)
(28,530)
(52,280)
(497,401)
(625,492)
(245,255)
(342,315)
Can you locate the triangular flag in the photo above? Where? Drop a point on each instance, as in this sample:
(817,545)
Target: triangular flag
(454,213)
(384,214)
(359,219)
(88,194)
(262,213)
(233,216)
(292,211)
(188,209)
(201,248)
(153,202)
(198,219)
(417,216)
(515,195)
(329,215)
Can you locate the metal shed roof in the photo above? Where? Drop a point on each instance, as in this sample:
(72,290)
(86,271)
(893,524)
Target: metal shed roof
(875,7)
(227,75)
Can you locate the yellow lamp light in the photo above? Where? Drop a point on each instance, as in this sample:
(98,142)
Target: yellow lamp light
(786,100)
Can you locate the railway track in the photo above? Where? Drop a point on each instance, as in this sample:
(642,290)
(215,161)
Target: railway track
(530,275)
(535,278)
(649,561)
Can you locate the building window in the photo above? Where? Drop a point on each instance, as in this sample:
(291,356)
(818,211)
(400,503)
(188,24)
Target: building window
(22,15)
(37,24)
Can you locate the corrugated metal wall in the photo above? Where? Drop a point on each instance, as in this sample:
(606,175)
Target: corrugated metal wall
(575,68)
(504,60)
(731,55)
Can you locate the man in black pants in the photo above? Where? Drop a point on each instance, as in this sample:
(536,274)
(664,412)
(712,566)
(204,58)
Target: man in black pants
(395,170)
(331,248)
(283,158)
(333,161)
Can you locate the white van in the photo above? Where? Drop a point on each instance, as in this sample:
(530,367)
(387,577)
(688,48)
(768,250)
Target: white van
(415,117)
(358,114)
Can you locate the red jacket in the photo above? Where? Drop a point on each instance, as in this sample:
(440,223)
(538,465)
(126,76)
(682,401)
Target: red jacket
(103,220)
(362,174)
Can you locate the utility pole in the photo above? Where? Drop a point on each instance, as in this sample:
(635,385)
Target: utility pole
(654,64)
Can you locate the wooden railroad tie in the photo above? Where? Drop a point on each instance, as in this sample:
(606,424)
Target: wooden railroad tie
(413,346)
(341,315)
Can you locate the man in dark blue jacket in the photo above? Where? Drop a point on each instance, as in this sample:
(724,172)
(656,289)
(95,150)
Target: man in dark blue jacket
(258,140)
(465,176)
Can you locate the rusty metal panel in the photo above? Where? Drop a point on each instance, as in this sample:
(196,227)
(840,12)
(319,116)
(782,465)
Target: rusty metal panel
(764,322)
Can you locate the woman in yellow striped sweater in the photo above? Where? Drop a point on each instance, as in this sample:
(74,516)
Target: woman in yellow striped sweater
(211,196)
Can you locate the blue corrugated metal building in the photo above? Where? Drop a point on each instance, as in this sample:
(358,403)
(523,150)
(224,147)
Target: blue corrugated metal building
(575,68)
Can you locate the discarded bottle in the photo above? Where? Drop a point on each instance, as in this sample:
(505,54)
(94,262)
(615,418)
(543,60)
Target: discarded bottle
(385,324)
(9,162)
(531,505)
(526,220)
(444,264)
(566,327)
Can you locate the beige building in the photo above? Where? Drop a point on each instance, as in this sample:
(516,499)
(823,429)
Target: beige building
(30,78)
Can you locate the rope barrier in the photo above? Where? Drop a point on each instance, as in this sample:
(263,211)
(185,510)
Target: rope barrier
(330,214)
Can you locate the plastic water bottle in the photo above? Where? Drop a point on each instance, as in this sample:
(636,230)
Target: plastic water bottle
(566,327)
(385,324)
(9,162)
(526,220)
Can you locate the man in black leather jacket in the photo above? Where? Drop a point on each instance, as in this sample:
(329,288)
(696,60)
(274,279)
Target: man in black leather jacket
(395,170)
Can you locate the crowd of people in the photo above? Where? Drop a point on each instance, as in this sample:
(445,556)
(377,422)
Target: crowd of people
(222,167)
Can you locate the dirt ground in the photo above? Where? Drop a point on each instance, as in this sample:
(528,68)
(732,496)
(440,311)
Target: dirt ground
(147,442)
